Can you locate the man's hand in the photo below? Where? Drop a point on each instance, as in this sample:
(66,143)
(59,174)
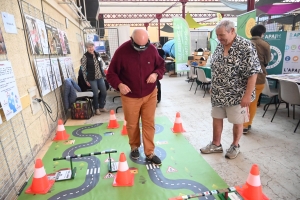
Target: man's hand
(124,89)
(246,100)
(88,84)
(152,78)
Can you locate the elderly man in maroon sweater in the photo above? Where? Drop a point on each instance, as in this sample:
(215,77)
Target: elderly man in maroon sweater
(134,70)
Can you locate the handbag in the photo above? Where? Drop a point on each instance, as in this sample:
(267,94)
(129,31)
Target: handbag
(82,109)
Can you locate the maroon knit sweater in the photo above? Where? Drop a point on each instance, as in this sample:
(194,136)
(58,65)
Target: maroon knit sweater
(132,68)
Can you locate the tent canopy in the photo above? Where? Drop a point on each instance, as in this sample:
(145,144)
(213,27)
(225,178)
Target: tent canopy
(167,29)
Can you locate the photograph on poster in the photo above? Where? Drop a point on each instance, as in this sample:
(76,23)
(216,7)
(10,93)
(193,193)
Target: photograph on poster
(9,94)
(81,43)
(51,74)
(40,66)
(99,44)
(34,37)
(63,67)
(70,68)
(51,39)
(55,68)
(2,44)
(62,41)
(56,36)
(43,36)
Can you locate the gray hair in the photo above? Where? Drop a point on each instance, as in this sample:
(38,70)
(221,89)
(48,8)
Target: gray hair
(227,24)
(89,43)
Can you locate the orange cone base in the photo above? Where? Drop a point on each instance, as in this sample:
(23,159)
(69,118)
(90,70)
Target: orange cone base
(242,192)
(45,191)
(61,136)
(177,128)
(113,124)
(129,183)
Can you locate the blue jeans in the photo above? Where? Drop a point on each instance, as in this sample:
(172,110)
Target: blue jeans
(98,84)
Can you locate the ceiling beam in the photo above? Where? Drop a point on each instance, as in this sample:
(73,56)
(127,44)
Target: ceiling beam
(153,24)
(153,15)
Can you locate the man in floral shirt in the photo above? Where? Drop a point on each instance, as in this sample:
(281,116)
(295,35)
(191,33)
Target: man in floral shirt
(235,66)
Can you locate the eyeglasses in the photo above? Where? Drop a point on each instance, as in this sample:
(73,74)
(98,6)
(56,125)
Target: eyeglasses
(139,47)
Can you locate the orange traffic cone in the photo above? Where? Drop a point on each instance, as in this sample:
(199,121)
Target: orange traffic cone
(252,190)
(61,133)
(40,182)
(124,130)
(112,120)
(123,177)
(178,124)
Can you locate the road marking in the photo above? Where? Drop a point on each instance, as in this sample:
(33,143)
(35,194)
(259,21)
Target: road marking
(98,170)
(71,193)
(88,186)
(91,171)
(58,198)
(65,195)
(87,172)
(91,182)
(150,166)
(77,191)
(82,189)
(95,170)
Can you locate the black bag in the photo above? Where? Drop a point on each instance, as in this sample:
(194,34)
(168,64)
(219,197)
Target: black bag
(82,109)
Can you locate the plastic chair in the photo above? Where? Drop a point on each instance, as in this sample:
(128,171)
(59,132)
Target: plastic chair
(271,93)
(288,93)
(202,80)
(192,76)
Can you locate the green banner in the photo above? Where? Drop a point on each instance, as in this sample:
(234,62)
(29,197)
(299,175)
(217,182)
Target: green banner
(244,24)
(182,40)
(277,42)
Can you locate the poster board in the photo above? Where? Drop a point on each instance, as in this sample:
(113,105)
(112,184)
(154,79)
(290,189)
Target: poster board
(9,94)
(291,62)
(41,71)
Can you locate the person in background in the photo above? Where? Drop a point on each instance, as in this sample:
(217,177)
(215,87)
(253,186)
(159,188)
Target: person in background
(234,69)
(264,56)
(93,74)
(134,70)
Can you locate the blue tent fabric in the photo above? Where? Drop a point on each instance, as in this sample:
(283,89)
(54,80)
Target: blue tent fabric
(169,48)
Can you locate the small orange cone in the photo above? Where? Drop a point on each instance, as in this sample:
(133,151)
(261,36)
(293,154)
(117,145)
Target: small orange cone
(61,133)
(40,182)
(252,190)
(123,177)
(124,130)
(177,128)
(112,120)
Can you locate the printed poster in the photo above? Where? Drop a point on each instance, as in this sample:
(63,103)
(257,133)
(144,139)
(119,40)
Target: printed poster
(277,45)
(51,39)
(70,68)
(63,69)
(182,39)
(2,44)
(245,22)
(9,94)
(64,42)
(51,74)
(55,67)
(291,62)
(43,36)
(41,70)
(34,37)
(9,23)
(56,40)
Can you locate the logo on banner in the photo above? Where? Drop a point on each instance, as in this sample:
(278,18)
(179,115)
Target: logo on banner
(287,47)
(294,35)
(294,47)
(273,36)
(287,58)
(295,58)
(276,57)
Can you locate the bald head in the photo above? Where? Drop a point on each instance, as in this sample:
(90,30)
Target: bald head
(140,36)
